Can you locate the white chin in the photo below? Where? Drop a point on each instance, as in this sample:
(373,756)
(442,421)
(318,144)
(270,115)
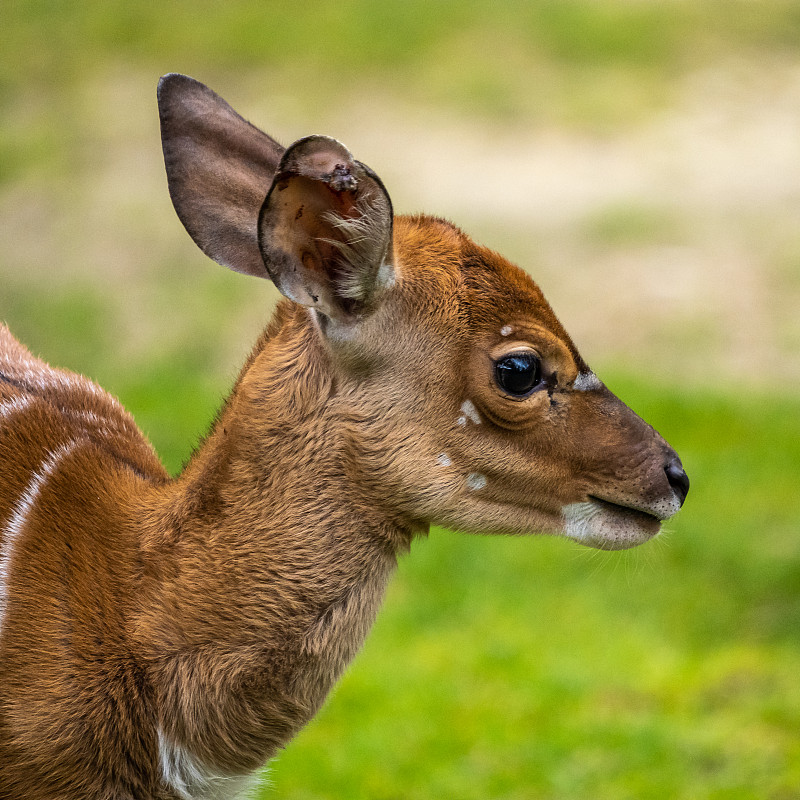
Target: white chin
(597,523)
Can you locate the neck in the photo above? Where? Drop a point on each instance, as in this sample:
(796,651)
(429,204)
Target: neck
(266,565)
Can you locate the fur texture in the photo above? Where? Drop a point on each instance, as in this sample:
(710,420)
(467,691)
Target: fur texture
(163,638)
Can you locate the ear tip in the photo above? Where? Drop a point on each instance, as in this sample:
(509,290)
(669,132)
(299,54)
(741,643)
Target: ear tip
(177,82)
(171,80)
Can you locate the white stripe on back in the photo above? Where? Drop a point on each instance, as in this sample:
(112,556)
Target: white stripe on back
(22,509)
(15,405)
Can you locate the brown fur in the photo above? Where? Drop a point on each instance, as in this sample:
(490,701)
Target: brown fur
(220,607)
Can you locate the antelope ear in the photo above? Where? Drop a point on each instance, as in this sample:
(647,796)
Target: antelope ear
(325,230)
(219,168)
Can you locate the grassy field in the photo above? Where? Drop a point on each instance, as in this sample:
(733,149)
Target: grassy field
(527,669)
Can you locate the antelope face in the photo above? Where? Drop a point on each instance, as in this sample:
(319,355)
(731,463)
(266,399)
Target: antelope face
(496,423)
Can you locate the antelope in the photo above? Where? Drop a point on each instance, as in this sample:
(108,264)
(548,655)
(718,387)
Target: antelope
(164,637)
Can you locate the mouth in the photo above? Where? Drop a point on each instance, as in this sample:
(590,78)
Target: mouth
(646,517)
(609,526)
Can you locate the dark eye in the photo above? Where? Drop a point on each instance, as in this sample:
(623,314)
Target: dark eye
(518,373)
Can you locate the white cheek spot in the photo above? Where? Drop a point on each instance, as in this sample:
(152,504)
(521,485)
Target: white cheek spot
(476,481)
(506,330)
(444,460)
(469,412)
(586,382)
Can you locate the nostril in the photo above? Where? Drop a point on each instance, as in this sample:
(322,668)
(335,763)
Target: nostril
(678,479)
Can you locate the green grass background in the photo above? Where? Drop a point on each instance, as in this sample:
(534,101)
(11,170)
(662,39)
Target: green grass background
(499,668)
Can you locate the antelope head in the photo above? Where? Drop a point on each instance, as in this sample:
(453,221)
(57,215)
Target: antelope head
(459,398)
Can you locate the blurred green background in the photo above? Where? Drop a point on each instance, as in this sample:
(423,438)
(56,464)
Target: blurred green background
(642,160)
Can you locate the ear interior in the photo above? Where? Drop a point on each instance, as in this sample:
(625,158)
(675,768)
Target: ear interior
(219,169)
(325,229)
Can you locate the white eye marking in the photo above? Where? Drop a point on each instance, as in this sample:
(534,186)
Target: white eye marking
(444,460)
(506,330)
(587,382)
(469,413)
(476,481)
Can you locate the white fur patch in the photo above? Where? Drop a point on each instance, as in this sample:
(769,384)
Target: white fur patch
(444,460)
(476,481)
(506,330)
(19,516)
(578,520)
(14,406)
(43,380)
(469,413)
(387,276)
(191,780)
(586,382)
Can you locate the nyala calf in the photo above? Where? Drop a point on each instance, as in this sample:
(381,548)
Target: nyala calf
(164,638)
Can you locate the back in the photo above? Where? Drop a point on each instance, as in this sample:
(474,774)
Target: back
(68,567)
(43,409)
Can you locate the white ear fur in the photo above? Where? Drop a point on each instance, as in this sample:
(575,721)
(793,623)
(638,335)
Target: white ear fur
(325,229)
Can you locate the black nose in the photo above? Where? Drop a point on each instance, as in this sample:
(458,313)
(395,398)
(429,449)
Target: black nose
(678,479)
